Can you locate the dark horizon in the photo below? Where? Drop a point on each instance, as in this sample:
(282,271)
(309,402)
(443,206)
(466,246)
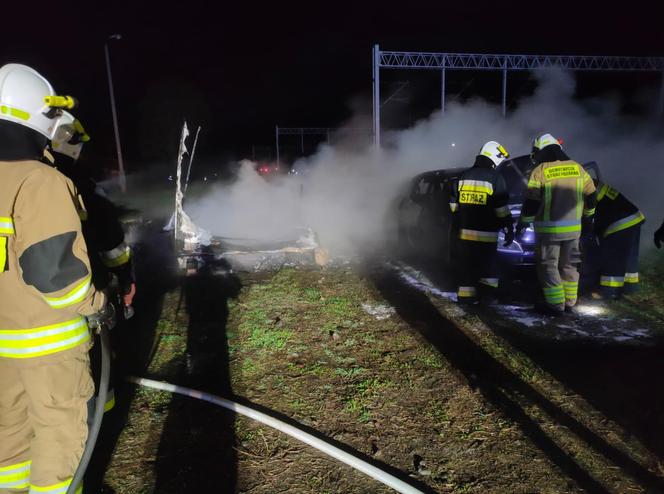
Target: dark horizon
(240,70)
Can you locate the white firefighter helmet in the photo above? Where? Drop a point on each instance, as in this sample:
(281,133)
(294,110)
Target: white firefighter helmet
(495,152)
(69,136)
(28,99)
(543,141)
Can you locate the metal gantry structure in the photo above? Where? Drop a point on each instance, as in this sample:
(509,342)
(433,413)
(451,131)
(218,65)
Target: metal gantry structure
(482,61)
(302,131)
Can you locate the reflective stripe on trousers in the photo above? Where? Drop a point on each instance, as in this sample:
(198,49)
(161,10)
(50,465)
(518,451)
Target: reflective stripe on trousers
(110,400)
(554,295)
(15,476)
(502,212)
(612,281)
(631,277)
(467,291)
(571,290)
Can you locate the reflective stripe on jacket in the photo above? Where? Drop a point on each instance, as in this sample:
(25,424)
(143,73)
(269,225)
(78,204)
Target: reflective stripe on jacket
(36,342)
(563,190)
(116,257)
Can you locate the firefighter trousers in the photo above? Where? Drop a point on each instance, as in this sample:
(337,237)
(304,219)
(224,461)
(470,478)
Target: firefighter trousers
(619,262)
(557,263)
(477,270)
(43,429)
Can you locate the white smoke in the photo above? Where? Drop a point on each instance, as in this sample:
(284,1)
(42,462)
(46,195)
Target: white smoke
(345,192)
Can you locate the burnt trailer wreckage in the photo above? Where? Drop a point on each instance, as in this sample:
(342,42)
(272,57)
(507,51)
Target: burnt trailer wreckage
(196,247)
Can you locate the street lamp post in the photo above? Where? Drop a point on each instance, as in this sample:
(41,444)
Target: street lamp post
(123,179)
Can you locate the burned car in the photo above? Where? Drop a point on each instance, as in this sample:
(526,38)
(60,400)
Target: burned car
(424,221)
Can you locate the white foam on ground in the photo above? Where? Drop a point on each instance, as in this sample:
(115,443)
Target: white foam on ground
(593,321)
(419,281)
(380,312)
(516,313)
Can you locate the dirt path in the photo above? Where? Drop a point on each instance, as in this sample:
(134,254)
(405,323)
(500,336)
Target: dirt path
(452,401)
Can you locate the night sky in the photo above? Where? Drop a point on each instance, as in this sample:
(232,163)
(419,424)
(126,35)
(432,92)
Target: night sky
(239,69)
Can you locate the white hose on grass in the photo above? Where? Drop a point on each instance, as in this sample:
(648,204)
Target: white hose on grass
(364,467)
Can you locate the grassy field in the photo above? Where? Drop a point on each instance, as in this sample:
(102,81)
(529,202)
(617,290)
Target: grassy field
(440,396)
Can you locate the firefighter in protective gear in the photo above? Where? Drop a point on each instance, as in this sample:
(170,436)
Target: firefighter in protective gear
(559,198)
(479,203)
(103,233)
(618,229)
(45,294)
(109,254)
(658,237)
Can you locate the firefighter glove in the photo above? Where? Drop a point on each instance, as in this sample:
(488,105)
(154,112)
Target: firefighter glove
(509,236)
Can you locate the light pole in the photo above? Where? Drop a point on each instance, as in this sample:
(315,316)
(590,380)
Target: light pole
(123,179)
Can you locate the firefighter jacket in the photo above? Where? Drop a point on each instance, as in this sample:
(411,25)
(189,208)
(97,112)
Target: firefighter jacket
(102,230)
(479,201)
(558,196)
(45,283)
(614,212)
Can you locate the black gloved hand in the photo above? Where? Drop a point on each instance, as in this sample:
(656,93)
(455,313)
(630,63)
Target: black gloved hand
(509,236)
(659,237)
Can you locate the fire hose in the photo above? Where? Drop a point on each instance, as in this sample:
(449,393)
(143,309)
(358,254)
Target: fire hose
(321,445)
(93,433)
